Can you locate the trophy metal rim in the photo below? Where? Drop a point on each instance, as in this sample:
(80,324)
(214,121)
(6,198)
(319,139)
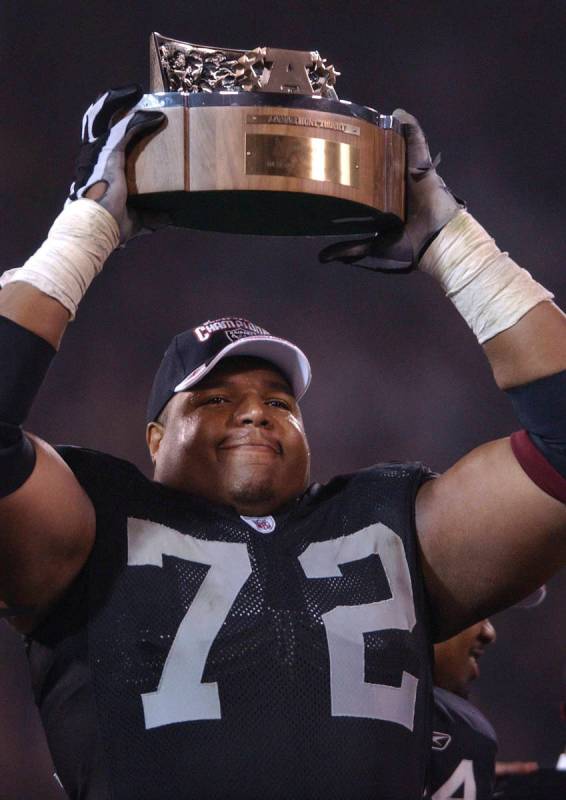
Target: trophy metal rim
(224,98)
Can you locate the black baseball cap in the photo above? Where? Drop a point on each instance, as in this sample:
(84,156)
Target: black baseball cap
(194,353)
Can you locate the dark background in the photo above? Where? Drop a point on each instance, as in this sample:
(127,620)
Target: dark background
(397,374)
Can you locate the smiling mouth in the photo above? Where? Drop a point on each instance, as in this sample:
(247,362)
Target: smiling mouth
(274,448)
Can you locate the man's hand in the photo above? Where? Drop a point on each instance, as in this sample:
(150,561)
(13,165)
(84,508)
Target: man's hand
(100,167)
(430,206)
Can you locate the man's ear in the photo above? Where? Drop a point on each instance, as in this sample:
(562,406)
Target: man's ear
(153,436)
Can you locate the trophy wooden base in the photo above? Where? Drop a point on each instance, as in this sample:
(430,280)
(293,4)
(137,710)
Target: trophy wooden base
(240,162)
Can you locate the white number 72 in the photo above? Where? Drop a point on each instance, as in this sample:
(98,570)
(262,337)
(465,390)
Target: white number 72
(181,696)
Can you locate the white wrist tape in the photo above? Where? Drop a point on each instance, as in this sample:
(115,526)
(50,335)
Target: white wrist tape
(79,242)
(489,290)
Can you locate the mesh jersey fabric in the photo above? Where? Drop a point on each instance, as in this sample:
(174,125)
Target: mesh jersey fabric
(312,681)
(463,751)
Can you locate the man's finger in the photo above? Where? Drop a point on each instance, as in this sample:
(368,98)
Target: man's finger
(121,99)
(387,252)
(347,252)
(141,124)
(418,153)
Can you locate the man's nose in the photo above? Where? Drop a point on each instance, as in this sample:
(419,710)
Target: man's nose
(487,632)
(252,411)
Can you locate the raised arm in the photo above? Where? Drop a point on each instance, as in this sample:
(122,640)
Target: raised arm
(493,527)
(47,522)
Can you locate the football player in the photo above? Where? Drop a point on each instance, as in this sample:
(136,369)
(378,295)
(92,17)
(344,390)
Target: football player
(228,630)
(464,743)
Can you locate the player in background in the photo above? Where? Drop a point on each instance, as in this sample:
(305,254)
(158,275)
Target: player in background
(464,744)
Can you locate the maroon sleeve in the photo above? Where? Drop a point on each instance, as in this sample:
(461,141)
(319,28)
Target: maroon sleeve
(539,470)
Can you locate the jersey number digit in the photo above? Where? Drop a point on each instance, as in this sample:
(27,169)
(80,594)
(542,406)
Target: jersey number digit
(462,777)
(345,626)
(181,696)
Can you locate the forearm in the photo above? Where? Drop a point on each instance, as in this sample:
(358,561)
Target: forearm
(510,313)
(36,303)
(37,312)
(77,246)
(523,335)
(531,349)
(38,300)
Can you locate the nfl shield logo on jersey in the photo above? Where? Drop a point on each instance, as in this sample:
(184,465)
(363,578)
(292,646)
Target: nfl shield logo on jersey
(260,524)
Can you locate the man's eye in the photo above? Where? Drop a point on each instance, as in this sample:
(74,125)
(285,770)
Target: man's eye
(276,403)
(215,401)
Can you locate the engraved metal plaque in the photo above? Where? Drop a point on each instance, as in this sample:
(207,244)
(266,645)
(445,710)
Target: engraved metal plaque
(310,158)
(303,122)
(258,141)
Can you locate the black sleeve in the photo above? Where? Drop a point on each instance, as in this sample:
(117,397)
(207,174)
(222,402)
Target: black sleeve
(24,361)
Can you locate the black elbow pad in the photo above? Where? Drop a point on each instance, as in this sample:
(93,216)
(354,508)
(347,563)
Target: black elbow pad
(541,409)
(24,361)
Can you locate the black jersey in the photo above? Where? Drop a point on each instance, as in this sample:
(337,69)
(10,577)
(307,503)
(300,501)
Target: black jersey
(204,655)
(464,746)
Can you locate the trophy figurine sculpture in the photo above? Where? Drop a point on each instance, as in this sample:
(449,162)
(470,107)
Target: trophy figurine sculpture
(258,142)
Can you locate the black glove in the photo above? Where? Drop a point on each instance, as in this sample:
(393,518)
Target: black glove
(430,206)
(102,156)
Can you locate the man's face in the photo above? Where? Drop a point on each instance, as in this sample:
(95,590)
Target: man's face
(236,438)
(456,660)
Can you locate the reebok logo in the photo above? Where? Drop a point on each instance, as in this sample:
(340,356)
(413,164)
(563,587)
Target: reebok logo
(440,741)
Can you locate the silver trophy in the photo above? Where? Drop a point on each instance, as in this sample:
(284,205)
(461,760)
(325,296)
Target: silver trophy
(257,141)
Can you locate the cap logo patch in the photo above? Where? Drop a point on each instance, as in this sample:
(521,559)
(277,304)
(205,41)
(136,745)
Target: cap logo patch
(260,524)
(234,336)
(236,326)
